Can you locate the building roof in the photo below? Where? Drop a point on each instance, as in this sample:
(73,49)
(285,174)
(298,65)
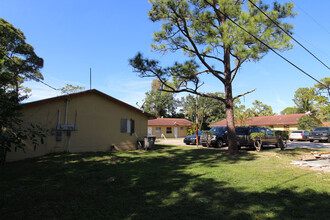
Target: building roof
(291,119)
(170,122)
(93,91)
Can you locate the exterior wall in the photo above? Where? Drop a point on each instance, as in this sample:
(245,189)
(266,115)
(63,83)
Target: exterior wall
(98,120)
(182,131)
(282,127)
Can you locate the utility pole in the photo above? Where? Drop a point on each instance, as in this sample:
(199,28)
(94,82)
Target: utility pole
(197,141)
(90,79)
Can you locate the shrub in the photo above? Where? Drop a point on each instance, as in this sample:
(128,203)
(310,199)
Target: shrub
(257,138)
(284,134)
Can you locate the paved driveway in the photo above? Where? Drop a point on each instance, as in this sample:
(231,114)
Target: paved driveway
(307,144)
(290,144)
(170,141)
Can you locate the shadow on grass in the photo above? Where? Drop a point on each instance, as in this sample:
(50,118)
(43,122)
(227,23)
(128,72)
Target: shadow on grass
(143,185)
(296,151)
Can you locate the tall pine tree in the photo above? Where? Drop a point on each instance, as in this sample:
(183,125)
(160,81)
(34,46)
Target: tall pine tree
(203,31)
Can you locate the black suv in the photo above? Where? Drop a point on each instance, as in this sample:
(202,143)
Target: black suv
(218,137)
(320,134)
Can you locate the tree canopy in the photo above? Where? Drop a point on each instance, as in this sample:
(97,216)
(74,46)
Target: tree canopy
(322,99)
(289,110)
(159,103)
(258,109)
(18,63)
(69,88)
(315,99)
(307,123)
(304,99)
(208,110)
(204,30)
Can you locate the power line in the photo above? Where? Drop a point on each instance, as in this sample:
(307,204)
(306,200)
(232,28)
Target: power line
(276,23)
(269,47)
(38,80)
(312,18)
(310,44)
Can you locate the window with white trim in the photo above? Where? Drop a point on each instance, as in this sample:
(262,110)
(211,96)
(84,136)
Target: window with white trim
(127,126)
(158,130)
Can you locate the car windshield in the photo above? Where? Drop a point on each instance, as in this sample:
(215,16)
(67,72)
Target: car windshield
(219,129)
(296,132)
(254,130)
(321,129)
(241,130)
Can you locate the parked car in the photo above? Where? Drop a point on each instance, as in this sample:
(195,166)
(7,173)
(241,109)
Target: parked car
(191,139)
(320,134)
(244,138)
(299,135)
(218,137)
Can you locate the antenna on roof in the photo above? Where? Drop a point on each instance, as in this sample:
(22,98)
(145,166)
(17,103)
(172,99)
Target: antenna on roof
(90,79)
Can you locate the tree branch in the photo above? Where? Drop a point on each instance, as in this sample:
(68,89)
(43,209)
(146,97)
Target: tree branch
(236,97)
(195,92)
(185,32)
(235,70)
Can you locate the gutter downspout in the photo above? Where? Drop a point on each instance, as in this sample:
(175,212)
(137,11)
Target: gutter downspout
(66,122)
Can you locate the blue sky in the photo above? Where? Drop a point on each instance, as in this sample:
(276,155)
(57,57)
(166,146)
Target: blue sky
(73,36)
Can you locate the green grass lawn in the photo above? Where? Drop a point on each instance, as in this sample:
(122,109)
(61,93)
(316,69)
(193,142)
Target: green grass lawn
(166,183)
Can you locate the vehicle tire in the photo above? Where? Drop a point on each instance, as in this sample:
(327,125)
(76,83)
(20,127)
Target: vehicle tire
(219,143)
(311,141)
(204,145)
(291,140)
(239,147)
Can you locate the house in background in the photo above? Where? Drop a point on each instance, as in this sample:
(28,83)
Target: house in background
(326,124)
(275,122)
(84,121)
(169,127)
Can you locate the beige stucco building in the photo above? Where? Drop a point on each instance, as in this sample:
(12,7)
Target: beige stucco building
(84,121)
(169,127)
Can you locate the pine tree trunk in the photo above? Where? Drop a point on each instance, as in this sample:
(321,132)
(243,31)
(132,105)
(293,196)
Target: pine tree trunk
(232,140)
(229,102)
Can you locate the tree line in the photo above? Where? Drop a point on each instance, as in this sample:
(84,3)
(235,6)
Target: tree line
(208,111)
(315,99)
